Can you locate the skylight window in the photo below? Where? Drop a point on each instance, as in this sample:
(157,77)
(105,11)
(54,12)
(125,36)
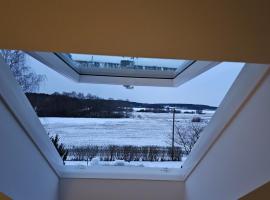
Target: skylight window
(110,125)
(128,71)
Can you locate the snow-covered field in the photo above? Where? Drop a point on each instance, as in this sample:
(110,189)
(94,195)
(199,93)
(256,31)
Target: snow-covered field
(142,129)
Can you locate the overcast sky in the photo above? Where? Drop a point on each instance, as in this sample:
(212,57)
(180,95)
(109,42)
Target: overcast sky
(209,88)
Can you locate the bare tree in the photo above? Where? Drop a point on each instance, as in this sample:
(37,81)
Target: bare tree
(79,153)
(187,135)
(90,153)
(27,79)
(112,149)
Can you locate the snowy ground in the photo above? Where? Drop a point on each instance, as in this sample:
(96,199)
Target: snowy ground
(142,129)
(165,164)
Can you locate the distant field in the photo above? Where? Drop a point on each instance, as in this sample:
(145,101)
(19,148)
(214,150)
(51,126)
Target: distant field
(142,129)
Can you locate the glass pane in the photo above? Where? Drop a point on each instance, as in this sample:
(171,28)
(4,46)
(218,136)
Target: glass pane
(125,66)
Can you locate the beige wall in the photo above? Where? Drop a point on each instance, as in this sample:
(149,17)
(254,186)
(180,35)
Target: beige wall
(239,161)
(24,174)
(263,192)
(101,189)
(203,30)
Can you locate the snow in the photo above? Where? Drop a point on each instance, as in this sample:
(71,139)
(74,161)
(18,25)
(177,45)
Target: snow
(140,130)
(119,163)
(95,161)
(165,164)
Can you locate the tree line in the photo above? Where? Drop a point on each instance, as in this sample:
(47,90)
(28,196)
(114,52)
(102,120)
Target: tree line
(127,153)
(62,105)
(72,104)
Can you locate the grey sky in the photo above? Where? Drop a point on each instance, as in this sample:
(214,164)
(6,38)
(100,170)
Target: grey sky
(208,88)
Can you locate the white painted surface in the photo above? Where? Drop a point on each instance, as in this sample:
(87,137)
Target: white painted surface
(239,161)
(17,103)
(122,172)
(237,96)
(98,189)
(28,160)
(59,66)
(24,173)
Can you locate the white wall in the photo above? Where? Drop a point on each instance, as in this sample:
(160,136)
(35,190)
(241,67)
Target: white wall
(239,161)
(101,189)
(24,174)
(236,164)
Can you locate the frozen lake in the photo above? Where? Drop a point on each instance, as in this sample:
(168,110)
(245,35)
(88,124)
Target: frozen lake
(142,129)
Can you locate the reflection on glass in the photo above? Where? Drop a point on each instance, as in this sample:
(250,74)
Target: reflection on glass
(125,66)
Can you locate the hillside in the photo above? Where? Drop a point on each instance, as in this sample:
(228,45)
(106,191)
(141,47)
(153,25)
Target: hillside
(64,105)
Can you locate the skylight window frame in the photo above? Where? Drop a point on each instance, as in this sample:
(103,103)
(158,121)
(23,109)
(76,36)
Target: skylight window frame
(242,89)
(59,63)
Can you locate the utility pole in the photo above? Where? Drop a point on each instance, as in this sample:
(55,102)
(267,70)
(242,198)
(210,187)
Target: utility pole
(173,134)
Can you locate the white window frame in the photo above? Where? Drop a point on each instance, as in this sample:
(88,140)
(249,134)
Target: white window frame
(16,101)
(55,62)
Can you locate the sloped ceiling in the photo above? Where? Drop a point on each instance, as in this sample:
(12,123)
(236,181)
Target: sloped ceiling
(202,30)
